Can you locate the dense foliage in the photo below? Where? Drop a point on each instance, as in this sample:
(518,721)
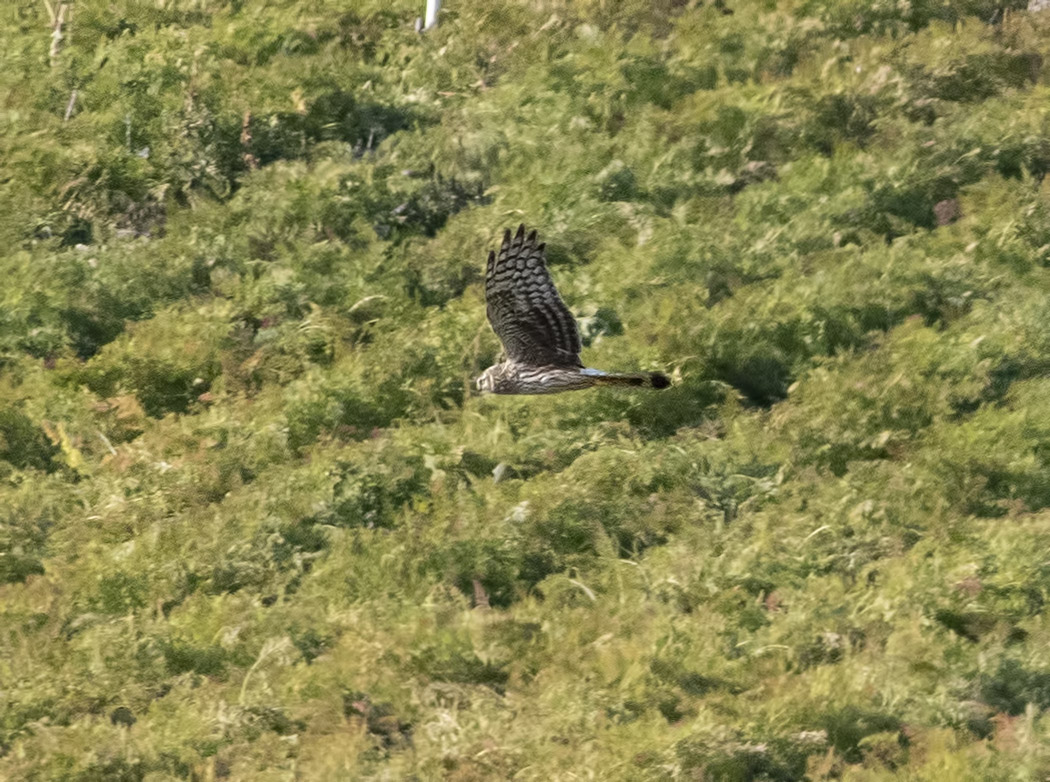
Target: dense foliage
(256,525)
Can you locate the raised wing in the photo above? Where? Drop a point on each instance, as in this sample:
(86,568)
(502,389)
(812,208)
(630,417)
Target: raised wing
(524,307)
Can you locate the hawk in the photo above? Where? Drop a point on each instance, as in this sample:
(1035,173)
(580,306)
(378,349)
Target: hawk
(539,334)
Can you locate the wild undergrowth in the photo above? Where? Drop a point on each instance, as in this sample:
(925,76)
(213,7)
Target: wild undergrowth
(255,523)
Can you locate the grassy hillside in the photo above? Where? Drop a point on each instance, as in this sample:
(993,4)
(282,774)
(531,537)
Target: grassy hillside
(256,525)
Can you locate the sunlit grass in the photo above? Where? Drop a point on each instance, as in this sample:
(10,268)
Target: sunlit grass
(255,524)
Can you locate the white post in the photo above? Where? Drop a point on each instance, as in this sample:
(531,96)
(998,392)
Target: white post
(433,6)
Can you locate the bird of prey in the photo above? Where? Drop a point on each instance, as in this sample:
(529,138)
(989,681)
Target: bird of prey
(539,334)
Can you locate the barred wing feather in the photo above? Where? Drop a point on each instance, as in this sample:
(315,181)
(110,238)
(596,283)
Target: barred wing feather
(524,308)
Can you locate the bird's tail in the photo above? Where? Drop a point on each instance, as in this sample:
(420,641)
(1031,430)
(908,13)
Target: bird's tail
(635,379)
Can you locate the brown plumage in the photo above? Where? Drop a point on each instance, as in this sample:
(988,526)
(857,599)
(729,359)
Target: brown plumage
(539,334)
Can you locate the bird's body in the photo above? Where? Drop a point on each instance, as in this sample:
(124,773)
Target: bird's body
(511,378)
(537,330)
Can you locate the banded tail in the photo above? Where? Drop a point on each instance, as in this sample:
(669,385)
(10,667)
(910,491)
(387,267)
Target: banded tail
(635,379)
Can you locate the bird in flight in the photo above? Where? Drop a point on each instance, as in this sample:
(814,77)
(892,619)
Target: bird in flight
(539,334)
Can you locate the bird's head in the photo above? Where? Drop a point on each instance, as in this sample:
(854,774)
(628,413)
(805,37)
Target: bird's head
(487,380)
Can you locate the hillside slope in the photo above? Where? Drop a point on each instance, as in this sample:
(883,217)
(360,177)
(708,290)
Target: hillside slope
(256,525)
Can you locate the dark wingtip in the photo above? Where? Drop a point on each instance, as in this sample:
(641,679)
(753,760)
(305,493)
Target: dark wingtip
(659,381)
(521,231)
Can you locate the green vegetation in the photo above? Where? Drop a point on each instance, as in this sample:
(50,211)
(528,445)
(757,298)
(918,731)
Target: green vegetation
(256,525)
